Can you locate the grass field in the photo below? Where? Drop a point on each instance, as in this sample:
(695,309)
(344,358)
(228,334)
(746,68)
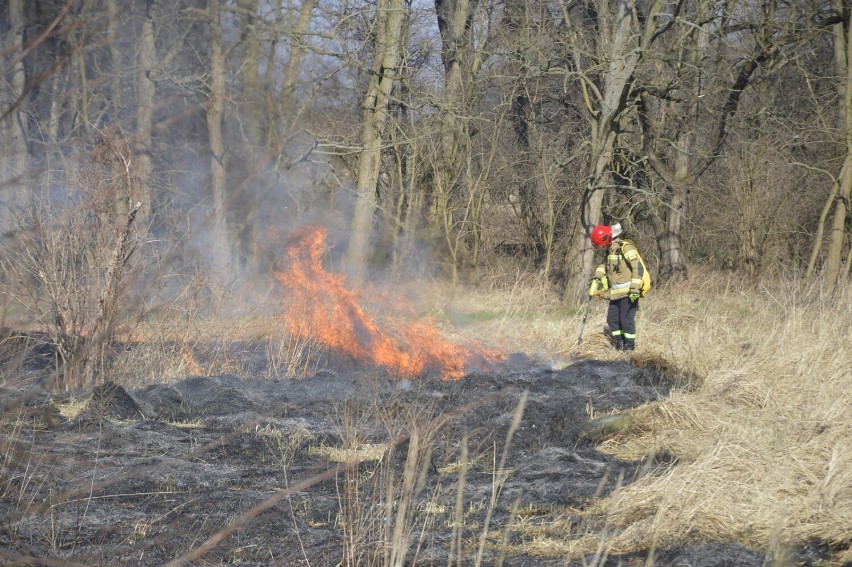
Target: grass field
(754,443)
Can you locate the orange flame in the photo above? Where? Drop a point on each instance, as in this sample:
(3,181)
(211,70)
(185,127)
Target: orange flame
(325,310)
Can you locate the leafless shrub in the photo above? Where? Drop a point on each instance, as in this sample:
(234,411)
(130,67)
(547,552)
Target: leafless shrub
(73,267)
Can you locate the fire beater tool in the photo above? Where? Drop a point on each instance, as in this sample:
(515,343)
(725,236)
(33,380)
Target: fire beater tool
(583,320)
(563,364)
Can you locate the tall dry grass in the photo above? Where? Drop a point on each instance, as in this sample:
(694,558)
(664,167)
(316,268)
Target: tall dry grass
(763,438)
(765,442)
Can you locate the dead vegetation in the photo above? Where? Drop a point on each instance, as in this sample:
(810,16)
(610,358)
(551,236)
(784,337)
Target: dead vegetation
(749,447)
(759,422)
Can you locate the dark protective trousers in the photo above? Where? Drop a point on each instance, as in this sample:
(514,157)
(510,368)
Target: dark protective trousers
(621,319)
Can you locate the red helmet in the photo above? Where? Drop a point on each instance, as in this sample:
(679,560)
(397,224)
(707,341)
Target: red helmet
(602,234)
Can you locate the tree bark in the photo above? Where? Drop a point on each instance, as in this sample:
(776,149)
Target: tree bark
(622,49)
(146,95)
(389,17)
(454,24)
(673,261)
(221,261)
(15,190)
(837,232)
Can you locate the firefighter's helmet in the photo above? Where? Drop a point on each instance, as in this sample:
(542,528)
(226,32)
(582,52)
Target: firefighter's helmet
(602,235)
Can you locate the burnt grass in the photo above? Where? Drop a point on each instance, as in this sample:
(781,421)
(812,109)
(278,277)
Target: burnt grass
(222,470)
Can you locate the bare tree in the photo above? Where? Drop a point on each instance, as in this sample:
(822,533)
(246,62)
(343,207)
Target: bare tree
(222,263)
(383,75)
(605,44)
(455,24)
(520,25)
(15,193)
(838,232)
(685,102)
(530,112)
(298,50)
(145,101)
(545,130)
(72,271)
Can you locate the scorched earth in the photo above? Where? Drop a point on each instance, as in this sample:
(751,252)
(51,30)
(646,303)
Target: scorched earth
(344,467)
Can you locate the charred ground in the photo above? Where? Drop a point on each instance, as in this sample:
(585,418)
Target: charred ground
(341,466)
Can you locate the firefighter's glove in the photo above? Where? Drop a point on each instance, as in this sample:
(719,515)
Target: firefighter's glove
(595,287)
(633,296)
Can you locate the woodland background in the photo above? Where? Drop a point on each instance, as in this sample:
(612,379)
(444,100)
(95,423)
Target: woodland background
(161,161)
(152,149)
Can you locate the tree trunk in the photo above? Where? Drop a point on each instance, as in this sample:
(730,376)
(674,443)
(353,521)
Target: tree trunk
(146,94)
(15,190)
(590,213)
(221,261)
(454,26)
(673,261)
(294,64)
(837,232)
(623,53)
(523,118)
(389,17)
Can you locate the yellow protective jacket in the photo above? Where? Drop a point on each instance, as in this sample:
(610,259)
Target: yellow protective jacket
(623,269)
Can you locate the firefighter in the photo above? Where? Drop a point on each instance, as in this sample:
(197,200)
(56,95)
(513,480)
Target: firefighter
(622,276)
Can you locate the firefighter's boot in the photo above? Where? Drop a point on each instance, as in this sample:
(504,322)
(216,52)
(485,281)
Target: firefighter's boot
(629,343)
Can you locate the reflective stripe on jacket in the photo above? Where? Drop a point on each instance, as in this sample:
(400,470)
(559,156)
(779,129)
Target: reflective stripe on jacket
(623,274)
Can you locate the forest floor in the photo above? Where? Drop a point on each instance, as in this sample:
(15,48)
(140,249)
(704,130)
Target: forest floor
(345,466)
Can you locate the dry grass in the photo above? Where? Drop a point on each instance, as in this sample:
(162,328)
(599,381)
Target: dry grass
(171,344)
(764,442)
(762,436)
(522,316)
(760,429)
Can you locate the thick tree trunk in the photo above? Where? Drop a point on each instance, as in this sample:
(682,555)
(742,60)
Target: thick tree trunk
(221,261)
(15,190)
(590,215)
(146,94)
(523,118)
(389,17)
(673,261)
(837,232)
(605,111)
(454,26)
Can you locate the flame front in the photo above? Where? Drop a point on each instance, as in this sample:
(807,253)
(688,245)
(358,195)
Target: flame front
(324,310)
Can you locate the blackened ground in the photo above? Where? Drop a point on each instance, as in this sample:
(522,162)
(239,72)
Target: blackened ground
(147,476)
